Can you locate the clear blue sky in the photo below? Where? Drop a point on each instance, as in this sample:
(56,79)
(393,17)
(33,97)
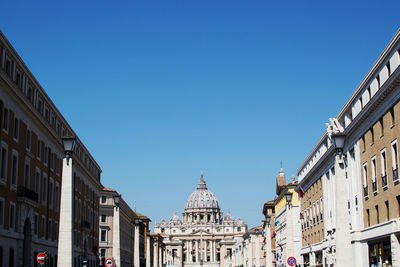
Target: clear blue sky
(162,90)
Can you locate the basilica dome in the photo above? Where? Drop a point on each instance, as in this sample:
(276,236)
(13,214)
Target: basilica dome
(202,198)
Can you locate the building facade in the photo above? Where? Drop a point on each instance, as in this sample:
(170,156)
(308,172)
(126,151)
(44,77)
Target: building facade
(249,252)
(269,243)
(351,202)
(204,237)
(31,154)
(123,232)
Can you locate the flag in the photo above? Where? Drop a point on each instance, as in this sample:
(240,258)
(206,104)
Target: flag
(276,223)
(263,233)
(301,193)
(262,246)
(301,216)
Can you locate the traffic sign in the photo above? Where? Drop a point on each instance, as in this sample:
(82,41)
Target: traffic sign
(291,261)
(41,258)
(109,263)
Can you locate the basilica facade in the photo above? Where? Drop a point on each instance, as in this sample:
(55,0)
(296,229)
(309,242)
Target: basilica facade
(203,236)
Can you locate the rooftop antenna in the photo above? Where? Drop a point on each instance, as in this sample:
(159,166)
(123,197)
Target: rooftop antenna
(134,205)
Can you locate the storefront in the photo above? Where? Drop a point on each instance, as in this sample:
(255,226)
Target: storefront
(380,253)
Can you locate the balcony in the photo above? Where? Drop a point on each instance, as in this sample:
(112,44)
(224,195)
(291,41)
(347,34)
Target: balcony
(396,176)
(384,182)
(375,188)
(85,224)
(366,192)
(24,192)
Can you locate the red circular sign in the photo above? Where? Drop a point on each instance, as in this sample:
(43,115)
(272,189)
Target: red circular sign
(291,261)
(109,263)
(41,258)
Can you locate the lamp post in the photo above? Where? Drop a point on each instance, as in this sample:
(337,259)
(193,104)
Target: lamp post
(137,245)
(148,247)
(342,232)
(268,257)
(116,249)
(288,247)
(65,240)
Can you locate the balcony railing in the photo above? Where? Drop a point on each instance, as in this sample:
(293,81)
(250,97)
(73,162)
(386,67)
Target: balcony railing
(366,191)
(396,176)
(375,187)
(25,192)
(384,181)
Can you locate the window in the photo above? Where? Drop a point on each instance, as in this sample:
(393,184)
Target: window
(377,213)
(103,235)
(395,162)
(26,175)
(36,224)
(49,230)
(365,179)
(52,161)
(8,67)
(14,169)
(372,135)
(18,79)
(373,175)
(368,218)
(391,111)
(387,210)
(37,182)
(57,196)
(384,169)
(39,149)
(3,161)
(381,126)
(363,143)
(28,140)
(43,229)
(51,189)
(55,230)
(16,129)
(12,216)
(44,189)
(103,199)
(5,120)
(103,218)
(46,155)
(1,211)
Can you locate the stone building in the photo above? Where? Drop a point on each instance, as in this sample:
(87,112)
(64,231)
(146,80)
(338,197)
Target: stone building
(269,243)
(31,154)
(123,232)
(204,236)
(351,201)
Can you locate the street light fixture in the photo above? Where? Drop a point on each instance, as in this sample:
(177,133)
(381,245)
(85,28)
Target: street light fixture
(288,197)
(69,146)
(268,219)
(338,141)
(117,199)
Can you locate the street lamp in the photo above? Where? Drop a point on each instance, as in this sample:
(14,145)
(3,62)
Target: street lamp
(117,199)
(69,146)
(338,141)
(268,219)
(66,226)
(288,197)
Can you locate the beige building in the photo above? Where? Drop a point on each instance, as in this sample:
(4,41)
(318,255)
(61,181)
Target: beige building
(269,243)
(249,252)
(351,202)
(123,232)
(31,154)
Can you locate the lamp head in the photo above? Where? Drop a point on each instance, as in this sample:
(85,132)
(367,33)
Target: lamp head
(288,197)
(117,199)
(338,141)
(69,144)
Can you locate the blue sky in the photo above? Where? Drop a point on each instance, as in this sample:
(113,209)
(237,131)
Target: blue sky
(162,90)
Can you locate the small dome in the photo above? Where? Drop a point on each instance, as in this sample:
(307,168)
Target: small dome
(228,217)
(175,219)
(202,197)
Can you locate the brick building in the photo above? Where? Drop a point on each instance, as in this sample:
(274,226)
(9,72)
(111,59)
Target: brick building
(31,153)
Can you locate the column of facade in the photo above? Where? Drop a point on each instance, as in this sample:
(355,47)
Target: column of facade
(342,240)
(189,259)
(196,249)
(205,250)
(395,245)
(160,256)
(148,250)
(212,258)
(136,248)
(155,255)
(65,251)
